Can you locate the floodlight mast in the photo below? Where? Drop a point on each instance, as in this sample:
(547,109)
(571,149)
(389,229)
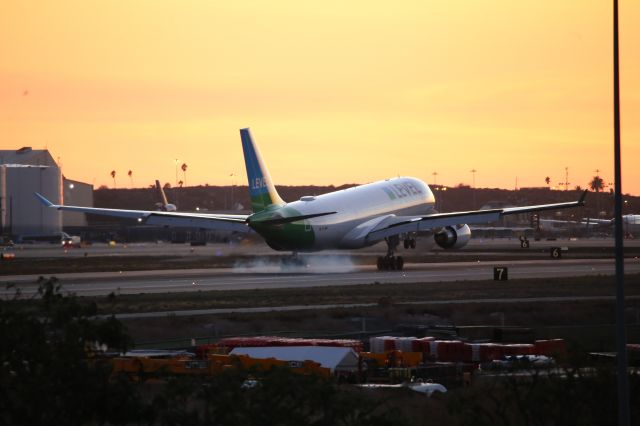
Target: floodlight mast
(621,338)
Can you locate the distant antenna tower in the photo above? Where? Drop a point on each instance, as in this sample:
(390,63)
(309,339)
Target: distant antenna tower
(566,178)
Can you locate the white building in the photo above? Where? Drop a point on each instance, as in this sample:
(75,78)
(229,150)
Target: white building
(25,171)
(20,212)
(27,156)
(337,359)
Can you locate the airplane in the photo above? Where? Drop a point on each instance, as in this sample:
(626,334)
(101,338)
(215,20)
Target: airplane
(630,223)
(164,205)
(391,210)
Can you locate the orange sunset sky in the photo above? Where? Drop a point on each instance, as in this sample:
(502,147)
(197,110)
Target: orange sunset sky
(334,92)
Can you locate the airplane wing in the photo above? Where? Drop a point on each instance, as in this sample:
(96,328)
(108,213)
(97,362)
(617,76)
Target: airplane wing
(404,224)
(219,222)
(594,221)
(502,228)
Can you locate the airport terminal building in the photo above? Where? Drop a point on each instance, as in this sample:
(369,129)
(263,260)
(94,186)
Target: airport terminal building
(25,171)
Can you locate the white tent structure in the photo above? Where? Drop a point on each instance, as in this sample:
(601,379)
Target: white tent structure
(334,358)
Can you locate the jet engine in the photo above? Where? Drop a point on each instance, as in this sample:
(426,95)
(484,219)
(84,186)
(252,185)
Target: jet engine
(453,237)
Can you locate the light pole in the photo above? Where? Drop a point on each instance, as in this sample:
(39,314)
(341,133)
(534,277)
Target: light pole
(231,175)
(621,337)
(1,219)
(435,178)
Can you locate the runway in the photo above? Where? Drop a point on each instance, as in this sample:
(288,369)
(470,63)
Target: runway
(477,246)
(251,277)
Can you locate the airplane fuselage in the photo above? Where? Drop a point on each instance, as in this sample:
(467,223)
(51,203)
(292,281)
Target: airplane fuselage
(358,210)
(631,224)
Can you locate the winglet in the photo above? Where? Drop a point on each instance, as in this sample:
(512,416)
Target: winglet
(43,200)
(582,197)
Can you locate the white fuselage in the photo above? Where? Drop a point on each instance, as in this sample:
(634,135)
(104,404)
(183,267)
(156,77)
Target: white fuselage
(358,211)
(631,224)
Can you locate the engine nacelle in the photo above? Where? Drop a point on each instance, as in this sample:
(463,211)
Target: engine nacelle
(166,207)
(453,237)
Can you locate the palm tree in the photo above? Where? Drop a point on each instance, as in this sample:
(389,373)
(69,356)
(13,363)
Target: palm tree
(131,177)
(113,175)
(184,172)
(547,180)
(180,183)
(596,184)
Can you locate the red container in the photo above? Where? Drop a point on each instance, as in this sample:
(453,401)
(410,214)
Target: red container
(382,344)
(450,350)
(422,345)
(390,344)
(490,351)
(552,347)
(518,349)
(469,352)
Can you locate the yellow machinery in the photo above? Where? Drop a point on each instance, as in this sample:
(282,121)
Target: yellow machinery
(393,359)
(145,367)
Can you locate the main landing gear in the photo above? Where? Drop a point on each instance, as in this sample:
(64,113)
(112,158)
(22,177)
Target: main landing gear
(391,262)
(410,243)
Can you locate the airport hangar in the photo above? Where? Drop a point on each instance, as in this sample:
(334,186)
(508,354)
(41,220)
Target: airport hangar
(25,171)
